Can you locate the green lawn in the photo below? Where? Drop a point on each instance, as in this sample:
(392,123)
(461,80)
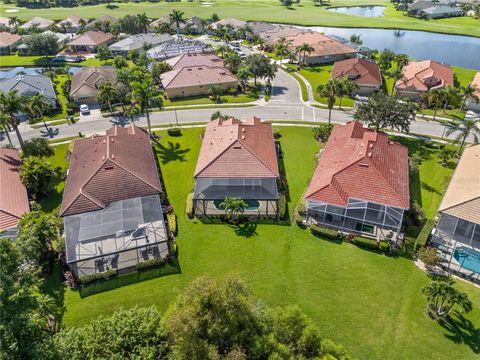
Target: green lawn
(16,60)
(370,303)
(304,13)
(204,100)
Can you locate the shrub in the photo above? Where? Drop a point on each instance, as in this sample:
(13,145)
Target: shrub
(276,133)
(299,220)
(173,247)
(174,131)
(368,243)
(37,147)
(422,237)
(415,216)
(148,264)
(428,255)
(302,208)
(282,206)
(189,206)
(70,280)
(172,223)
(86,279)
(168,209)
(322,132)
(325,232)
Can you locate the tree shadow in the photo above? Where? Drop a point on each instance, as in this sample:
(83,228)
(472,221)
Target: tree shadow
(172,152)
(246,230)
(415,187)
(430,188)
(50,133)
(462,331)
(416,147)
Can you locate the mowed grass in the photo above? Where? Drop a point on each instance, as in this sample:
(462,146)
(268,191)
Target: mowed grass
(370,303)
(17,60)
(304,13)
(205,100)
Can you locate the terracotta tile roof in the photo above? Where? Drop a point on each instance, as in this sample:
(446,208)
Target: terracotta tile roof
(5,22)
(196,76)
(359,163)
(85,82)
(233,148)
(7,39)
(13,195)
(91,38)
(117,166)
(322,45)
(476,84)
(74,20)
(424,75)
(360,71)
(199,59)
(38,22)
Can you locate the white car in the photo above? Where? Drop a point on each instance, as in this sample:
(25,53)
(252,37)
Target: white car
(84,109)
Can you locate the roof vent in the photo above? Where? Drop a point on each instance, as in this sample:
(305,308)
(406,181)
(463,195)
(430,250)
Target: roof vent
(111,140)
(237,147)
(369,154)
(103,141)
(371,146)
(108,167)
(243,129)
(113,156)
(243,137)
(363,164)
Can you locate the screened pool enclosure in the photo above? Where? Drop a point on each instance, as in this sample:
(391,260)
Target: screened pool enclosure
(119,236)
(209,191)
(367,218)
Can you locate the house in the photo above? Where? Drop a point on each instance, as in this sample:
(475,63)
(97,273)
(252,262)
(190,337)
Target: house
(325,49)
(237,159)
(102,22)
(421,76)
(9,42)
(195,25)
(178,47)
(363,72)
(5,23)
(474,103)
(270,37)
(440,11)
(30,85)
(187,60)
(89,41)
(361,183)
(13,194)
(62,41)
(259,27)
(111,206)
(457,234)
(234,23)
(154,24)
(86,81)
(134,42)
(38,23)
(73,24)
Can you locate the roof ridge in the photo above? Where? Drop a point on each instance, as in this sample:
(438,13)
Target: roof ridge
(256,156)
(215,158)
(135,175)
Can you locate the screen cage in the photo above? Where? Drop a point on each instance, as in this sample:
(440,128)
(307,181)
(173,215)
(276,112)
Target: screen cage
(244,188)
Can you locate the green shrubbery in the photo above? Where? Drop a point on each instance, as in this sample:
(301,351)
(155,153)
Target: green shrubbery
(325,232)
(174,131)
(367,243)
(189,206)
(86,279)
(425,233)
(282,206)
(147,264)
(172,222)
(322,132)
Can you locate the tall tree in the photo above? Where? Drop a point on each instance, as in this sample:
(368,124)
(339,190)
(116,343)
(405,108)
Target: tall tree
(143,22)
(176,17)
(40,106)
(304,49)
(385,60)
(234,207)
(450,95)
(143,93)
(469,94)
(346,87)
(468,127)
(4,124)
(396,74)
(259,66)
(37,175)
(11,103)
(14,21)
(401,60)
(432,98)
(443,297)
(329,91)
(106,94)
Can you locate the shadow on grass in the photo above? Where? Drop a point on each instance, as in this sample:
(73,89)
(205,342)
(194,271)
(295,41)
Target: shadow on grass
(430,188)
(51,202)
(172,152)
(246,230)
(462,331)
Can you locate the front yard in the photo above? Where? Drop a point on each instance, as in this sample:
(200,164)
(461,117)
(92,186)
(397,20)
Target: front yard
(370,303)
(16,60)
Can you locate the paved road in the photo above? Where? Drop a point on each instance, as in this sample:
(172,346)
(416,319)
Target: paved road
(284,105)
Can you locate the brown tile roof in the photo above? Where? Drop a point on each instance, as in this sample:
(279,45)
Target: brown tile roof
(106,18)
(162,20)
(13,195)
(234,148)
(85,82)
(424,75)
(462,198)
(7,39)
(186,60)
(362,164)
(5,22)
(271,36)
(322,45)
(476,84)
(360,71)
(91,38)
(196,76)
(37,22)
(117,166)
(74,20)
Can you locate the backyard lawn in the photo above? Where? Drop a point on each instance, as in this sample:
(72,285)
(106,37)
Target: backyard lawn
(205,100)
(370,303)
(16,60)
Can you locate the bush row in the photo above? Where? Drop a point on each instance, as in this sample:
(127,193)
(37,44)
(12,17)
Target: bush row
(325,232)
(172,223)
(86,279)
(282,206)
(174,131)
(189,206)
(425,232)
(150,264)
(367,243)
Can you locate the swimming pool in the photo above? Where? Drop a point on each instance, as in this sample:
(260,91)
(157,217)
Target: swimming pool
(468,258)
(251,205)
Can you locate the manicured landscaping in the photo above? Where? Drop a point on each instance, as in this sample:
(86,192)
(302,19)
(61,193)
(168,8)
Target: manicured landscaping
(369,302)
(16,60)
(204,100)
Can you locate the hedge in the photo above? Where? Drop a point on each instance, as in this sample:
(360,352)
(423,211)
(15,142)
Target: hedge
(86,279)
(174,131)
(172,222)
(367,243)
(325,232)
(282,206)
(147,264)
(424,233)
(189,206)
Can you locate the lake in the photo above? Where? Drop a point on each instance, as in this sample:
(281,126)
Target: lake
(367,11)
(462,51)
(6,72)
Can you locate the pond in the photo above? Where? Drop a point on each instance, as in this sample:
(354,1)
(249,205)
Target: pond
(457,50)
(367,11)
(6,72)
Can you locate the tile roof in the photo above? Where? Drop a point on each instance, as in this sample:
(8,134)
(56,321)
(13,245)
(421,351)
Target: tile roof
(271,36)
(138,41)
(91,38)
(229,21)
(196,76)
(424,75)
(13,195)
(117,166)
(28,85)
(7,39)
(106,18)
(5,22)
(200,59)
(462,198)
(234,148)
(322,45)
(74,20)
(259,27)
(87,80)
(173,48)
(360,71)
(37,22)
(476,84)
(362,164)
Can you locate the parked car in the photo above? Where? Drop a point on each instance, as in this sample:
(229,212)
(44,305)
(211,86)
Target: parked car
(84,109)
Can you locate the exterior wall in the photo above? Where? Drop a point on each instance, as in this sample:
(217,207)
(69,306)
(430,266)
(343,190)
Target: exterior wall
(364,89)
(312,60)
(196,90)
(91,100)
(5,50)
(412,95)
(207,207)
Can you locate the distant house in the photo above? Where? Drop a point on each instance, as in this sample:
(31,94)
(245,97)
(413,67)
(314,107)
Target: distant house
(186,60)
(174,48)
(162,20)
(259,27)
(271,36)
(134,42)
(440,11)
(235,23)
(361,183)
(73,24)
(62,41)
(9,42)
(103,21)
(86,82)
(421,76)
(89,41)
(30,85)
(38,23)
(363,72)
(13,194)
(457,234)
(5,23)
(237,159)
(474,104)
(111,207)
(325,49)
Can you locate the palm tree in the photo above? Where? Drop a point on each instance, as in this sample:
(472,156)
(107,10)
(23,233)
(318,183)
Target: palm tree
(106,94)
(11,103)
(432,98)
(14,21)
(223,49)
(396,74)
(143,22)
(401,60)
(468,127)
(142,93)
(443,297)
(39,106)
(233,207)
(450,94)
(292,57)
(176,17)
(346,87)
(329,91)
(304,49)
(469,93)
(281,47)
(4,124)
(243,74)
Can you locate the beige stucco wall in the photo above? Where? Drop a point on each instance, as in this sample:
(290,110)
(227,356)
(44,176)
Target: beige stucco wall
(196,90)
(312,60)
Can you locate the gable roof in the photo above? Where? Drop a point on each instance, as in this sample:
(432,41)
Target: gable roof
(236,23)
(271,36)
(195,59)
(5,22)
(259,27)
(234,148)
(74,20)
(91,38)
(322,45)
(87,80)
(442,9)
(137,41)
(13,195)
(196,76)
(117,166)
(174,48)
(37,22)
(104,19)
(27,85)
(462,198)
(366,71)
(7,39)
(417,74)
(362,164)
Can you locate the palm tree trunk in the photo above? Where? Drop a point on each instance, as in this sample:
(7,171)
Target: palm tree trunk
(8,136)
(110,106)
(329,115)
(19,137)
(341,98)
(463,141)
(44,123)
(463,103)
(148,121)
(178,31)
(435,113)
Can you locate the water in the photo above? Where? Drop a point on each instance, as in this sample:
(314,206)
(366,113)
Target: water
(468,258)
(457,50)
(367,11)
(7,72)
